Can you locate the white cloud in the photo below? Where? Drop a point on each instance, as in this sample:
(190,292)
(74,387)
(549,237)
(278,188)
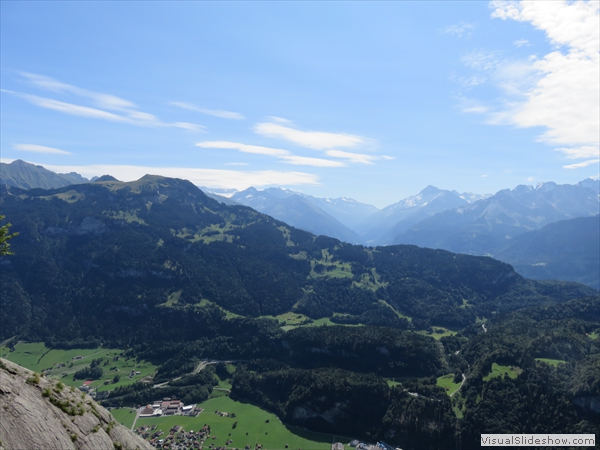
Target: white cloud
(460,29)
(579,152)
(582,164)
(359,158)
(470,105)
(245,148)
(103,104)
(215,178)
(521,43)
(211,112)
(307,161)
(283,155)
(483,176)
(561,90)
(236,164)
(40,149)
(317,140)
(482,60)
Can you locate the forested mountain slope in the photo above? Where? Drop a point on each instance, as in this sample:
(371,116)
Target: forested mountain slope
(96,258)
(565,250)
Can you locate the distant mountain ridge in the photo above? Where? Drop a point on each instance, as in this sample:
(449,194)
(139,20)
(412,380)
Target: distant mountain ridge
(28,176)
(484,226)
(301,211)
(566,250)
(382,227)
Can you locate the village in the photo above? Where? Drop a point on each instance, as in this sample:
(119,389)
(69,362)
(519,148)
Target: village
(169,407)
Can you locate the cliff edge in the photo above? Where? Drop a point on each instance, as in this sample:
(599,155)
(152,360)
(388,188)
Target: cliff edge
(37,413)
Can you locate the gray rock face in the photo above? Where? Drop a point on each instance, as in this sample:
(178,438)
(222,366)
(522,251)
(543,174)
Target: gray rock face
(37,413)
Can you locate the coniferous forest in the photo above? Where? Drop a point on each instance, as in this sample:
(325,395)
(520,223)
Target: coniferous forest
(160,269)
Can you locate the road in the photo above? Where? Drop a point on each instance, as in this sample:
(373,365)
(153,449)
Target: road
(201,365)
(137,414)
(461,385)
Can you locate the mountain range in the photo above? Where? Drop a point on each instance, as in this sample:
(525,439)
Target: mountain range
(163,245)
(435,218)
(383,226)
(28,176)
(157,267)
(564,250)
(485,225)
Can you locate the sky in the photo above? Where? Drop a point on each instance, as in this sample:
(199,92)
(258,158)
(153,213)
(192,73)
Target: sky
(368,100)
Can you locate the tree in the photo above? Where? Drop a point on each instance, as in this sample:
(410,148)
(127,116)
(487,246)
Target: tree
(4,238)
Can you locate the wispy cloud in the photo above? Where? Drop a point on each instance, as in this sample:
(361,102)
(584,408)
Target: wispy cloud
(244,148)
(40,149)
(359,158)
(283,155)
(583,152)
(104,106)
(566,97)
(308,161)
(215,178)
(279,129)
(482,60)
(211,112)
(558,91)
(470,105)
(521,43)
(589,162)
(463,28)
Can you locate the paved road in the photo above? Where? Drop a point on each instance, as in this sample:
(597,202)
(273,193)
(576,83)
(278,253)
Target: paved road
(137,414)
(201,365)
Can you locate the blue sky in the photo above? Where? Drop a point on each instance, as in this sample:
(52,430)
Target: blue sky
(369,100)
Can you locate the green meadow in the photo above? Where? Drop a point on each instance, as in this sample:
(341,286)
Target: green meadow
(552,362)
(124,416)
(447,382)
(438,332)
(499,371)
(250,426)
(62,364)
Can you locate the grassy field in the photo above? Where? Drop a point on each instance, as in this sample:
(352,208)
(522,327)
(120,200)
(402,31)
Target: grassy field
(552,362)
(447,382)
(438,332)
(254,426)
(498,371)
(124,416)
(61,364)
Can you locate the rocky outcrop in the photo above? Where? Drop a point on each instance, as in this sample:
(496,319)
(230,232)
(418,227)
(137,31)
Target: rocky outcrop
(38,413)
